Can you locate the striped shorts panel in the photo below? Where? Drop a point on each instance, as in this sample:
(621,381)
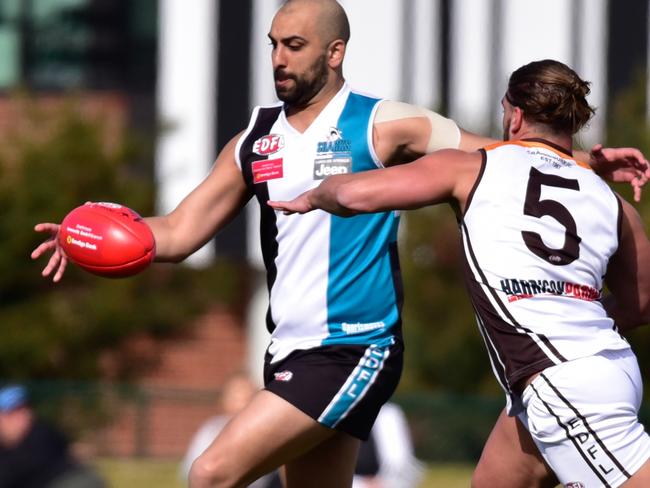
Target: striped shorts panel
(583,416)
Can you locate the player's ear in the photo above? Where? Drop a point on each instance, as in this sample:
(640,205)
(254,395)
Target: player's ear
(335,53)
(516,120)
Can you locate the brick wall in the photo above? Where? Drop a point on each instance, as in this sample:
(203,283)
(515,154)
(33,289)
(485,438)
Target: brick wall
(178,392)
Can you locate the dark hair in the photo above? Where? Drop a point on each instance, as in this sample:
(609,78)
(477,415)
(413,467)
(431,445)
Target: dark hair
(551,93)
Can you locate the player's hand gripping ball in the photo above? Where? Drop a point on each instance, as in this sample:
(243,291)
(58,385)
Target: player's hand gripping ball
(107,239)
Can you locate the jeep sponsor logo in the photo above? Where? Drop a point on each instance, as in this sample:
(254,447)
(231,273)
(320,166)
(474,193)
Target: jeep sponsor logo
(329,167)
(268,144)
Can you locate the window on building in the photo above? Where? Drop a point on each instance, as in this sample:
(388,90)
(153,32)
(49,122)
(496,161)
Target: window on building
(77,44)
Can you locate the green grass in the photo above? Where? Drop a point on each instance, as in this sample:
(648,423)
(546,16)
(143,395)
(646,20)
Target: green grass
(139,473)
(146,473)
(447,475)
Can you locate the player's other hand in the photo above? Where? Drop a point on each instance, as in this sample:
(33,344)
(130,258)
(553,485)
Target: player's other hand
(58,260)
(621,165)
(300,204)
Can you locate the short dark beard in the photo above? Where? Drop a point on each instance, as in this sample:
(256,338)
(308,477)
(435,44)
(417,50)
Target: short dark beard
(306,86)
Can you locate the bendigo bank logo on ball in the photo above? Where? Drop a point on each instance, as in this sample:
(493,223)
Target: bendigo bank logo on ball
(84,234)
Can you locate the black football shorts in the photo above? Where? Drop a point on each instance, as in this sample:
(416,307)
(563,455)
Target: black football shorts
(341,386)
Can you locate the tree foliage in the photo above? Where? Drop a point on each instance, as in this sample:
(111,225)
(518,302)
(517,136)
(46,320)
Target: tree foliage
(52,161)
(628,126)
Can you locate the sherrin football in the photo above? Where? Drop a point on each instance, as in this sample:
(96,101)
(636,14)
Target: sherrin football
(107,239)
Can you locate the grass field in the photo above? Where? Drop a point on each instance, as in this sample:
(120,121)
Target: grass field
(142,473)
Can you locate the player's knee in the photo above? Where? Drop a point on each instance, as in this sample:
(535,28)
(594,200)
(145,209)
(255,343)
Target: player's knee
(213,472)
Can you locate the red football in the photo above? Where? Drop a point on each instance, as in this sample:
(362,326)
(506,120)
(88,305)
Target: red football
(107,239)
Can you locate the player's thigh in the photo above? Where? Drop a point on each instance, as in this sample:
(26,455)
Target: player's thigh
(640,479)
(510,459)
(330,464)
(266,434)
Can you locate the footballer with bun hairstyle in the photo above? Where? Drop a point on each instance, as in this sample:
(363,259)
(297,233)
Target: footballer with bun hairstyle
(541,234)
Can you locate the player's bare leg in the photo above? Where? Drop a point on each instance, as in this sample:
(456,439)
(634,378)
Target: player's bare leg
(510,459)
(640,479)
(268,433)
(329,464)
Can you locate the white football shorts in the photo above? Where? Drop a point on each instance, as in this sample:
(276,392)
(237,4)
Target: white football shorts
(583,416)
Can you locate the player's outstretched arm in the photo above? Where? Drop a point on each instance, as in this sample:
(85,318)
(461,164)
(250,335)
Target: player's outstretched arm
(628,273)
(441,176)
(198,217)
(404,132)
(202,213)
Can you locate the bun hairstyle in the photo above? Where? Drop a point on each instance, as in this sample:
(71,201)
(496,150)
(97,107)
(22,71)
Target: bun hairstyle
(551,93)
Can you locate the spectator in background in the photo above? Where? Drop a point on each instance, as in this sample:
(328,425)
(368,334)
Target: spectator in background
(386,459)
(235,394)
(34,454)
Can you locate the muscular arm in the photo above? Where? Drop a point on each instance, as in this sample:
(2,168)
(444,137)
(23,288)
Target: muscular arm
(446,175)
(202,213)
(403,132)
(628,273)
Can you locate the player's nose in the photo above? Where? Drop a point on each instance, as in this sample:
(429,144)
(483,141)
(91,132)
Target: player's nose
(279,57)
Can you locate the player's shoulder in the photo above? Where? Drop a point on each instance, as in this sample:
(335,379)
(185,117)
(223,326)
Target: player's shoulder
(363,94)
(270,109)
(272,105)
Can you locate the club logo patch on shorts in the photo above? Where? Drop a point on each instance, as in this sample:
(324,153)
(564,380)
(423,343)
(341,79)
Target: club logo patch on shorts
(283,376)
(574,484)
(268,144)
(267,169)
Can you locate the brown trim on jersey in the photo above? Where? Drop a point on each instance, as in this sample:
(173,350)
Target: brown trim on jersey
(619,220)
(495,358)
(519,353)
(478,179)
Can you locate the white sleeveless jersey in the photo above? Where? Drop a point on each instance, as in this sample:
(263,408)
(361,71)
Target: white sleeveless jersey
(538,231)
(331,280)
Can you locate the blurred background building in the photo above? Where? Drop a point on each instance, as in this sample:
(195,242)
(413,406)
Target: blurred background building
(188,73)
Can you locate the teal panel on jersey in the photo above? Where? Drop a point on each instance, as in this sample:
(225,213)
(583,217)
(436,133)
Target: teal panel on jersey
(361,297)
